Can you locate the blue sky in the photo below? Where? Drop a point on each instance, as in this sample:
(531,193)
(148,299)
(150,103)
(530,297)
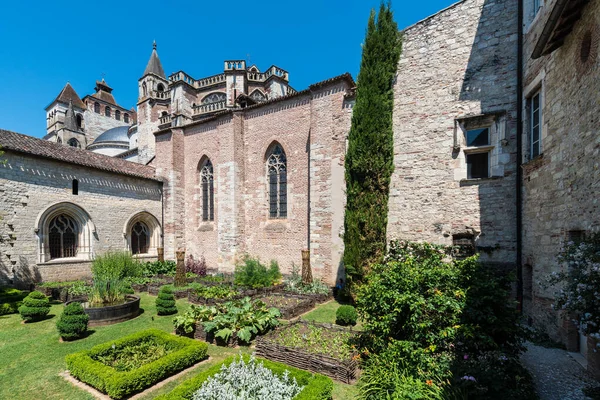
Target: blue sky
(44,44)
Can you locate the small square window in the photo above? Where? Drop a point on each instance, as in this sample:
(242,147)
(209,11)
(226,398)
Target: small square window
(478,165)
(478,137)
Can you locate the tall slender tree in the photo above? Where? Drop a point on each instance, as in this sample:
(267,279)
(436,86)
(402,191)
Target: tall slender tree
(370,156)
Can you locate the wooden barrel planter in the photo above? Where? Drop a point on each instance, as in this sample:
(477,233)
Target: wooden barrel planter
(342,370)
(109,315)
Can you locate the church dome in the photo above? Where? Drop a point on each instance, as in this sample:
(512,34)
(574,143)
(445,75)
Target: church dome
(118,134)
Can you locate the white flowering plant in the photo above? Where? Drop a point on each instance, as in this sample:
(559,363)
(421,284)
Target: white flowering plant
(579,283)
(248,381)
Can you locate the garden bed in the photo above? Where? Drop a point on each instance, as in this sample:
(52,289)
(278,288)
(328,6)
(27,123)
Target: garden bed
(201,334)
(289,305)
(316,386)
(129,365)
(179,293)
(64,291)
(320,348)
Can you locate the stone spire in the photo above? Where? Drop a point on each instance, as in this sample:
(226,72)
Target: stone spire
(70,120)
(154,66)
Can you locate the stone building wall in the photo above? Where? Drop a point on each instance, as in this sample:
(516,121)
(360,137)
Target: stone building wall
(561,186)
(96,124)
(30,185)
(311,128)
(458,69)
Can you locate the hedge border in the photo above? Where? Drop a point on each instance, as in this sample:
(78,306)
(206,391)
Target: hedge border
(316,386)
(117,384)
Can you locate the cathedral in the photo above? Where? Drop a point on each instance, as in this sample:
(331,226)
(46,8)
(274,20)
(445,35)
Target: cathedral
(496,146)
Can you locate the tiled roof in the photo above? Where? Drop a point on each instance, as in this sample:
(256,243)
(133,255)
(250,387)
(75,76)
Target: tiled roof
(105,96)
(68,94)
(17,142)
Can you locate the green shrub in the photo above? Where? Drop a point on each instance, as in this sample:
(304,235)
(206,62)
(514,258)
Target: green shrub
(346,315)
(11,300)
(73,322)
(253,274)
(165,302)
(109,272)
(85,367)
(159,268)
(35,307)
(316,386)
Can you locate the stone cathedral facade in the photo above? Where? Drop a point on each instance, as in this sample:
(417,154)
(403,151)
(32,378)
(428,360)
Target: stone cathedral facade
(496,144)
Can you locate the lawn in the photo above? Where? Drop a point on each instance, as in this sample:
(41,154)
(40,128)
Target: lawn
(325,314)
(31,356)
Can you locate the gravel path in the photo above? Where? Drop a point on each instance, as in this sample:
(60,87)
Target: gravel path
(556,374)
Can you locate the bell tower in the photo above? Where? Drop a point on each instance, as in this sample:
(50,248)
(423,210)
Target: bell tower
(154,100)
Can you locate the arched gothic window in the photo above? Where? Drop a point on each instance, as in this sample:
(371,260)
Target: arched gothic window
(79,121)
(208,191)
(258,96)
(74,143)
(59,140)
(97,108)
(63,234)
(140,238)
(160,88)
(277,178)
(126,118)
(107,111)
(214,98)
(145,89)
(118,115)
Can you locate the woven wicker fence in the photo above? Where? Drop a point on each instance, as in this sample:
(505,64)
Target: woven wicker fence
(342,370)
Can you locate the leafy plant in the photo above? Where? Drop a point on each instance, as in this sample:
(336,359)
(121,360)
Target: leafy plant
(135,355)
(196,267)
(185,323)
(35,307)
(245,318)
(216,292)
(159,268)
(252,380)
(315,339)
(579,283)
(253,274)
(165,302)
(73,322)
(346,315)
(294,284)
(109,273)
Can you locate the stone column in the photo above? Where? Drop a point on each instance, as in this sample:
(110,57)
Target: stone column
(180,270)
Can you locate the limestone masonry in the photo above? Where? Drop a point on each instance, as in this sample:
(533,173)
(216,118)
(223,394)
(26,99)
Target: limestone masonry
(496,145)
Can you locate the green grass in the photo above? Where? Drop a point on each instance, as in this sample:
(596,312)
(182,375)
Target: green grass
(32,357)
(325,314)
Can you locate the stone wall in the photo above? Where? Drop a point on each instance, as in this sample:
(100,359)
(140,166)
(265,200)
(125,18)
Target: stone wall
(561,186)
(312,129)
(96,124)
(457,69)
(30,185)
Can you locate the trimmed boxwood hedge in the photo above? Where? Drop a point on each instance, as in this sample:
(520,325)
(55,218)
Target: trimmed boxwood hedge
(10,300)
(73,322)
(35,307)
(122,384)
(165,302)
(316,386)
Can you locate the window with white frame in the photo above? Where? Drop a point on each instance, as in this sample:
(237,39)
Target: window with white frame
(535,125)
(477,152)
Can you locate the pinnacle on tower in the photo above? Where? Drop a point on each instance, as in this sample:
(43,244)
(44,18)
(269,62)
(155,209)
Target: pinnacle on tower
(70,120)
(154,66)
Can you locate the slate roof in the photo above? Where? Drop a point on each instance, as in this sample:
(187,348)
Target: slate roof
(118,134)
(16,142)
(68,94)
(154,66)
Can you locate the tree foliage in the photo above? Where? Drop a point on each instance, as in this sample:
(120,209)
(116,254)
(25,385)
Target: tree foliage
(370,156)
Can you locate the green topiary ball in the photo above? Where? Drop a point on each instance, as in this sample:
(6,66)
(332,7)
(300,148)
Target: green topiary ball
(165,302)
(35,307)
(346,315)
(73,322)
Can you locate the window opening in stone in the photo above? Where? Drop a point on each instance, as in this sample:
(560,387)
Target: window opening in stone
(140,238)
(277,171)
(74,143)
(463,245)
(160,88)
(62,241)
(214,98)
(478,137)
(118,115)
(126,118)
(75,187)
(535,125)
(478,165)
(97,108)
(79,121)
(586,47)
(107,111)
(208,192)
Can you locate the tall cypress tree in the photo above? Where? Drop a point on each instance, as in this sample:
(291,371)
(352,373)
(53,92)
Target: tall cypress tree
(370,156)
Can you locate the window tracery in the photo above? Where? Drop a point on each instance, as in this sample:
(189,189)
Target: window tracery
(62,240)
(277,179)
(208,191)
(214,98)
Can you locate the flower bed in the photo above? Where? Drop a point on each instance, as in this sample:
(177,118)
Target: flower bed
(289,305)
(316,386)
(136,362)
(319,348)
